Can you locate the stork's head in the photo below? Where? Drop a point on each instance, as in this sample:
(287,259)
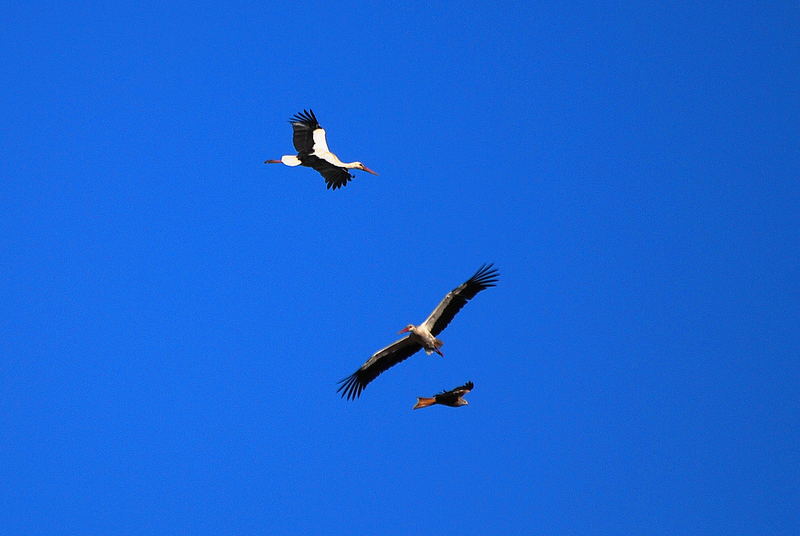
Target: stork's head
(409,328)
(362,167)
(461,402)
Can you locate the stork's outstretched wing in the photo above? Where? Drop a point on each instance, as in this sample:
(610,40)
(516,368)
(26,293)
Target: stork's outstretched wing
(485,277)
(304,125)
(335,177)
(380,361)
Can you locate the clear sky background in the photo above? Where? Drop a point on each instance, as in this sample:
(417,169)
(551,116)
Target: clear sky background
(176,314)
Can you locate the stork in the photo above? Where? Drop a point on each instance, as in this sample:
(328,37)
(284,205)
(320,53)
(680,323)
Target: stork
(313,152)
(421,337)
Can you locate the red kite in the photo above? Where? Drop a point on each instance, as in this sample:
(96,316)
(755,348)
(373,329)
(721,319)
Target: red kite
(450,398)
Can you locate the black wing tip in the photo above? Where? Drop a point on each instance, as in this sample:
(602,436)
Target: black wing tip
(486,276)
(335,185)
(466,387)
(351,387)
(306,117)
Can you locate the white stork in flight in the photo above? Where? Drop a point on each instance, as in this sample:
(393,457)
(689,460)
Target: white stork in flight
(312,151)
(421,337)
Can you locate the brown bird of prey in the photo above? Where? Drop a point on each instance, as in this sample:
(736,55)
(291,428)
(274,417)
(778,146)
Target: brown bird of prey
(452,398)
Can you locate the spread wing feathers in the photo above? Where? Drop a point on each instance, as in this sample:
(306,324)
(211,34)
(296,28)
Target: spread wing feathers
(304,124)
(454,394)
(380,361)
(485,277)
(464,389)
(335,177)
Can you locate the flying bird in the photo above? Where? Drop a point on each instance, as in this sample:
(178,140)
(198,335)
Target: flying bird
(312,151)
(452,398)
(421,337)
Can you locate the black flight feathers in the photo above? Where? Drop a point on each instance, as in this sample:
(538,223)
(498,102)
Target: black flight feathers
(335,177)
(305,118)
(485,277)
(466,388)
(379,363)
(303,126)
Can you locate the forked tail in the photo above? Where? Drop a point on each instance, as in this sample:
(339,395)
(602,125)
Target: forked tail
(424,402)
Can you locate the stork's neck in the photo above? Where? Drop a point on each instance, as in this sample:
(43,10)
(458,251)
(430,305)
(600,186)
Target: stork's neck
(333,159)
(420,330)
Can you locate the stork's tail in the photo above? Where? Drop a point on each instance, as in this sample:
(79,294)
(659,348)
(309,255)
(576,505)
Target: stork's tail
(423,402)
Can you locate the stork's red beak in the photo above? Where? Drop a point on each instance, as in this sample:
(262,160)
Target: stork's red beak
(404,330)
(272,162)
(369,170)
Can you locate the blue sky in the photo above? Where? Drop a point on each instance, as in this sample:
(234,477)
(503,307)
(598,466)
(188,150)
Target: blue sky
(177,313)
